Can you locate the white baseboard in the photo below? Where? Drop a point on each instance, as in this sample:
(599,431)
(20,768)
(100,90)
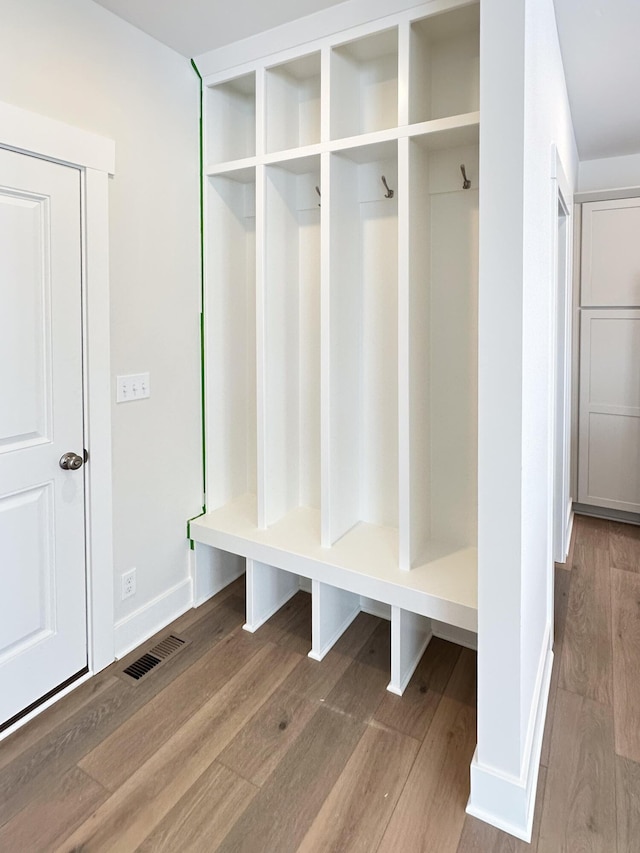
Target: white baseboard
(152,617)
(504,801)
(568,530)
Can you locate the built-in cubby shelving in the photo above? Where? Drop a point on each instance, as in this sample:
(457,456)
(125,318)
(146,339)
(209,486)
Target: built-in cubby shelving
(293,103)
(230,341)
(340,329)
(361,341)
(231,119)
(364,84)
(444,65)
(289,305)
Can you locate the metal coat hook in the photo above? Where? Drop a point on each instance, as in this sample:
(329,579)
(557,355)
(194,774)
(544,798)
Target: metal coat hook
(389,193)
(319,195)
(466,183)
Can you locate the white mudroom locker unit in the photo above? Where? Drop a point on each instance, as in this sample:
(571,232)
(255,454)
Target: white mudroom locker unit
(341,210)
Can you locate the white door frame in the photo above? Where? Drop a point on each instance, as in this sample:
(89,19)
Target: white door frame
(562,498)
(94,156)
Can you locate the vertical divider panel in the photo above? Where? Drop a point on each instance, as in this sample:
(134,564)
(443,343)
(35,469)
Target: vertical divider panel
(404,344)
(325,339)
(419,338)
(261,454)
(333,610)
(404,71)
(410,636)
(260,302)
(268,588)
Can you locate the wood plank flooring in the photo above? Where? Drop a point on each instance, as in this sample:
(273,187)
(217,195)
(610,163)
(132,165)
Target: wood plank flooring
(242,744)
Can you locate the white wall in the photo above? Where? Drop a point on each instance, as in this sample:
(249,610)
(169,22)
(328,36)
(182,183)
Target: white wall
(524,108)
(75,62)
(547,122)
(609,174)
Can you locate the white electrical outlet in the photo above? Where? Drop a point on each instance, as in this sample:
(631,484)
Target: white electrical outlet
(135,386)
(129,583)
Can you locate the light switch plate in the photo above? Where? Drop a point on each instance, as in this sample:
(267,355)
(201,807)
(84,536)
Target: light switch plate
(135,386)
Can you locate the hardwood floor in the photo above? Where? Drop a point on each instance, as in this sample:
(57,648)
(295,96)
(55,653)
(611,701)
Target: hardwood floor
(241,743)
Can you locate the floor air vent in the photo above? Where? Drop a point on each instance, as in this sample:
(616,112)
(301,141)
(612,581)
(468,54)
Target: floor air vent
(154,656)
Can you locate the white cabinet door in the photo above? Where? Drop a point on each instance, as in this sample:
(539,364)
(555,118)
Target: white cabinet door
(43,640)
(611,253)
(609,435)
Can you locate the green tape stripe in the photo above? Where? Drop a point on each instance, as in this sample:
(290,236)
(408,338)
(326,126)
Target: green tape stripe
(202,364)
(200,514)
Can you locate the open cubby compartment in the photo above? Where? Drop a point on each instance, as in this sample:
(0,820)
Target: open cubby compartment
(411,633)
(360,313)
(268,589)
(364,85)
(333,610)
(444,64)
(212,570)
(230,338)
(438,355)
(231,119)
(293,103)
(290,311)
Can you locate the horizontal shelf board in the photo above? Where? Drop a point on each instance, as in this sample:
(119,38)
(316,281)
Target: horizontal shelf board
(296,160)
(364,560)
(450,132)
(242,171)
(351,145)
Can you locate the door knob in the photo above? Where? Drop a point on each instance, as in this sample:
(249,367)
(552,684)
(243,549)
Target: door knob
(71,461)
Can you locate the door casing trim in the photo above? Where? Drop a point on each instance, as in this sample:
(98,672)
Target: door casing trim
(94,155)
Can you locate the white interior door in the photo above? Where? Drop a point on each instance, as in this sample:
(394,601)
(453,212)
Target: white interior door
(609,440)
(43,613)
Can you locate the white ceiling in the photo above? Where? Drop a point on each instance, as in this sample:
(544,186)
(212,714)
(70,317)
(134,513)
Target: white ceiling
(599,41)
(193,27)
(601,53)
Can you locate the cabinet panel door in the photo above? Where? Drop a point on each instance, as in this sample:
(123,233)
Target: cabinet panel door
(609,432)
(611,253)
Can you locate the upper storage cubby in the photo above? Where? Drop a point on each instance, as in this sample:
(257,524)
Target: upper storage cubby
(293,104)
(361,441)
(290,354)
(230,330)
(444,65)
(364,85)
(231,120)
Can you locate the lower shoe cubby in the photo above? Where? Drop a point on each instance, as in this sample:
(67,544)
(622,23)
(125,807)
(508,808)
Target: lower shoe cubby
(333,609)
(268,589)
